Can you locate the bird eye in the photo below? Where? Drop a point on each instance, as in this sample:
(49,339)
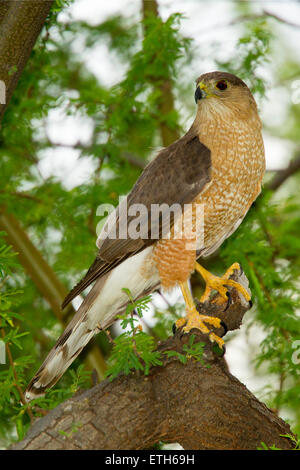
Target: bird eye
(222,85)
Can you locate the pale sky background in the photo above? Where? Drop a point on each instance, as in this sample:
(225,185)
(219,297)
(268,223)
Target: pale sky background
(205,22)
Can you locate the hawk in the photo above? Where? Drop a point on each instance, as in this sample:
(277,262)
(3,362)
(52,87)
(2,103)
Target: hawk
(218,164)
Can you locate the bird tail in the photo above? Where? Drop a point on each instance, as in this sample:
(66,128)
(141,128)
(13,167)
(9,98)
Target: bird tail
(97,312)
(69,345)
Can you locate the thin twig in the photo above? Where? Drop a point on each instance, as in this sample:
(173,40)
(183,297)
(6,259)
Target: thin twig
(251,17)
(281,20)
(282,175)
(11,362)
(21,195)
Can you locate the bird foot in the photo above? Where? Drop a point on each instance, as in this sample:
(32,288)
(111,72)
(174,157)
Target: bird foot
(221,284)
(196,320)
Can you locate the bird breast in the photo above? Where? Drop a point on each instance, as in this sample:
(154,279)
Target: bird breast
(238,165)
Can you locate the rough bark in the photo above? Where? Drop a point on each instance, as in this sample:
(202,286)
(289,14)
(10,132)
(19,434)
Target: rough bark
(198,406)
(20,24)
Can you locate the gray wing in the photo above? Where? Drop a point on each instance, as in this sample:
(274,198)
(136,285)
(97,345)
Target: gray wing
(176,176)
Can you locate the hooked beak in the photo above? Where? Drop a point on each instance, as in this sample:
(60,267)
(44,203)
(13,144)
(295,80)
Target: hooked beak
(201,92)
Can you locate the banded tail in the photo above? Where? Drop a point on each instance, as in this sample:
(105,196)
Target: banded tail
(97,312)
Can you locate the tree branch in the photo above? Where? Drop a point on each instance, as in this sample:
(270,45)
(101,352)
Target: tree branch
(198,406)
(35,265)
(249,17)
(20,24)
(13,368)
(284,174)
(280,19)
(166,101)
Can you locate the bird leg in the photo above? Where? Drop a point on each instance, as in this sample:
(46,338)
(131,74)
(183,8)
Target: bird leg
(221,284)
(194,319)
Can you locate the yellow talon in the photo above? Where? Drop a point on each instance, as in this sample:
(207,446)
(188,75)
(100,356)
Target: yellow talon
(180,322)
(220,284)
(194,319)
(216,339)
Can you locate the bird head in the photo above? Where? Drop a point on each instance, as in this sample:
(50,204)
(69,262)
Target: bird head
(222,91)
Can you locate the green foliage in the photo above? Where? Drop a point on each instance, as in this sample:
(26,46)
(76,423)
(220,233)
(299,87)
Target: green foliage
(192,351)
(293,439)
(133,349)
(76,380)
(138,306)
(133,352)
(118,32)
(252,51)
(12,413)
(14,417)
(265,447)
(165,319)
